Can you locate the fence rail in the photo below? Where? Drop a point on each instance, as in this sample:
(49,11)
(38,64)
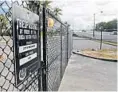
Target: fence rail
(56,47)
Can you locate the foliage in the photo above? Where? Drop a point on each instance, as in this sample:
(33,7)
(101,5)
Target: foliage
(107,26)
(57,11)
(46,2)
(3,23)
(40,2)
(111,24)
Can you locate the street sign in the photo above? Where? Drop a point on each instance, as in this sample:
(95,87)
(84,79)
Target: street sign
(26,43)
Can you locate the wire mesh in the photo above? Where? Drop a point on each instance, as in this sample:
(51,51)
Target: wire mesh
(64,48)
(7,79)
(58,50)
(59,47)
(53,54)
(70,42)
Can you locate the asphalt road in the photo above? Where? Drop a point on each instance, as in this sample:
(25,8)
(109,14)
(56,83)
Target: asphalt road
(82,43)
(106,36)
(88,74)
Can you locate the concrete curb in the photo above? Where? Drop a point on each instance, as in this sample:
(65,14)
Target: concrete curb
(110,60)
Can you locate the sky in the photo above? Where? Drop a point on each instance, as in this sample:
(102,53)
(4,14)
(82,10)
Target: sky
(80,13)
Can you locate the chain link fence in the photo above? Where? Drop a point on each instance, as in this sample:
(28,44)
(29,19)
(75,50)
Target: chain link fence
(58,46)
(7,74)
(58,50)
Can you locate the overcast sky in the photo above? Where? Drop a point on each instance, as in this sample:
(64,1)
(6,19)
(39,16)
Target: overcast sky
(79,13)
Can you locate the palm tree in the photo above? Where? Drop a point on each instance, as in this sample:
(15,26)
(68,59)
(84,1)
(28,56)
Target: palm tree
(57,11)
(46,3)
(40,2)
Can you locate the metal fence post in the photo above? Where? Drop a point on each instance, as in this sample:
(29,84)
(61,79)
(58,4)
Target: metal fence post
(44,64)
(39,70)
(61,54)
(67,42)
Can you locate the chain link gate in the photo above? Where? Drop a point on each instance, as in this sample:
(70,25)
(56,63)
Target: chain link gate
(56,49)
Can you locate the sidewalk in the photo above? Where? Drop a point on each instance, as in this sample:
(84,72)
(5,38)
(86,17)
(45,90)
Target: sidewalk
(87,74)
(84,74)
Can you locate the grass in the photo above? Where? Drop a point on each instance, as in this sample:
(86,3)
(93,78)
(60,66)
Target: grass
(104,53)
(108,42)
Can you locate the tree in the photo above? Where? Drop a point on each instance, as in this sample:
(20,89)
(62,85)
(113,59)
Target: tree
(46,3)
(107,26)
(101,24)
(3,23)
(40,2)
(57,11)
(111,24)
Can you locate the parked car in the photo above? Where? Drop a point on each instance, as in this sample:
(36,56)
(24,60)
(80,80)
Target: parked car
(83,30)
(114,33)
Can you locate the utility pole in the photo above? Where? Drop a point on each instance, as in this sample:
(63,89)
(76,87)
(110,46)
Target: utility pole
(101,34)
(94,26)
(101,38)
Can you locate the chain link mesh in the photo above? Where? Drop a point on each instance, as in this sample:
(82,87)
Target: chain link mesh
(7,81)
(59,47)
(64,48)
(53,54)
(58,50)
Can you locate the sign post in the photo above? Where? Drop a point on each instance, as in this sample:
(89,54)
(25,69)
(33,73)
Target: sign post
(26,43)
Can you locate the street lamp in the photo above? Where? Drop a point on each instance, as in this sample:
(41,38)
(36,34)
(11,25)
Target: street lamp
(94,27)
(100,30)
